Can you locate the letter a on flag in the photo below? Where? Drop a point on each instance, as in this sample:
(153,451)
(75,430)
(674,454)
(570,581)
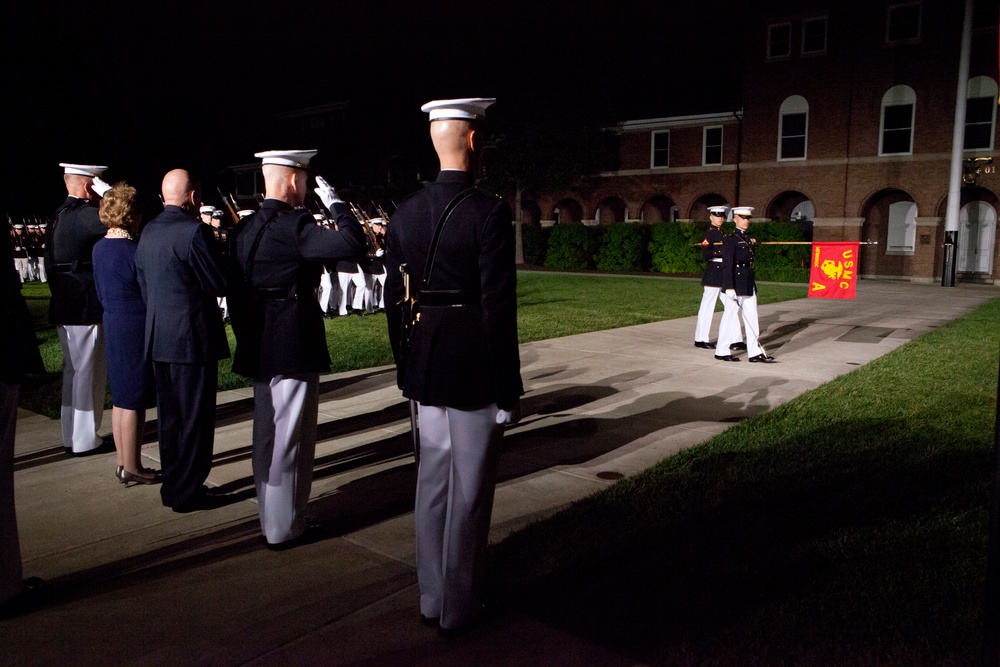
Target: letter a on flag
(834,272)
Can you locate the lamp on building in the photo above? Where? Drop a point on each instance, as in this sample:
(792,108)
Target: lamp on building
(974,167)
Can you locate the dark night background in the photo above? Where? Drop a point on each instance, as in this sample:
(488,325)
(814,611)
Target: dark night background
(146,87)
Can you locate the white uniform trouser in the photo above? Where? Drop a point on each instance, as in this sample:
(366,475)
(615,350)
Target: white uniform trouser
(325,288)
(11,577)
(23,268)
(223,306)
(703,329)
(459,452)
(379,288)
(284,445)
(41,270)
(85,377)
(369,293)
(346,280)
(747,305)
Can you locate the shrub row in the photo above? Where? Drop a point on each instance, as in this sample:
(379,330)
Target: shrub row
(663,247)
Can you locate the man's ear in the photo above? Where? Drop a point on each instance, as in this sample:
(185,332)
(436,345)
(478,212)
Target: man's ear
(473,141)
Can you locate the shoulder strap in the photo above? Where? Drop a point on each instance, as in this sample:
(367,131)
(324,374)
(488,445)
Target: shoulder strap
(448,210)
(248,272)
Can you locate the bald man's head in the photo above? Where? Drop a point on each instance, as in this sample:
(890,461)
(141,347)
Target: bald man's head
(286,184)
(179,189)
(456,143)
(78,185)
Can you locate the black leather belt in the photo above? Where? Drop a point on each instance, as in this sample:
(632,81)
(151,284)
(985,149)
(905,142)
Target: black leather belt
(448,297)
(284,293)
(740,266)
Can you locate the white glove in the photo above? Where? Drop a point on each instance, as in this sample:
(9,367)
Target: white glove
(509,417)
(326,193)
(100,187)
(379,252)
(731,293)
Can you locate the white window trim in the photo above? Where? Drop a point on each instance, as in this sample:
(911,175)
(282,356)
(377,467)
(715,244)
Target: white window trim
(704,144)
(792,106)
(920,23)
(881,121)
(826,33)
(652,150)
(984,86)
(767,47)
(909,229)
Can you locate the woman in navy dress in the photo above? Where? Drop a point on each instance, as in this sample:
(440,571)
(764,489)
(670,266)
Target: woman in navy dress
(124,331)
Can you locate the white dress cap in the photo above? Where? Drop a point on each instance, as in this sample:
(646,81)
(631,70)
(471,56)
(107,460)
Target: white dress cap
(318,217)
(378,221)
(297,159)
(718,210)
(92,170)
(243,213)
(206,209)
(466,108)
(744,211)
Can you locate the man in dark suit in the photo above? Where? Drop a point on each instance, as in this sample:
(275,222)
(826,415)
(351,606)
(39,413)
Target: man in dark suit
(181,274)
(74,308)
(280,336)
(741,286)
(711,279)
(462,367)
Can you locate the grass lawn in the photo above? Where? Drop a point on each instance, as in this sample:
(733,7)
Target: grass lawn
(845,527)
(550,305)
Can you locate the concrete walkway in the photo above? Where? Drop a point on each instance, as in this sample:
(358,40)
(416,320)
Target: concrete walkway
(133,583)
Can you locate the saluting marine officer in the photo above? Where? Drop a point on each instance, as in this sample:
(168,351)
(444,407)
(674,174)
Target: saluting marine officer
(280,336)
(74,308)
(463,367)
(711,280)
(741,288)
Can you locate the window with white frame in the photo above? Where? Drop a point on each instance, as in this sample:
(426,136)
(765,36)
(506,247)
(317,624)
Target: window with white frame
(902,23)
(814,36)
(779,40)
(980,113)
(660,149)
(896,127)
(793,128)
(711,152)
(902,228)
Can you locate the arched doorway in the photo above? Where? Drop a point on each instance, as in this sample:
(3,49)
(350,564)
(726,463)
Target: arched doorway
(977,228)
(890,219)
(567,211)
(658,209)
(699,209)
(610,211)
(796,208)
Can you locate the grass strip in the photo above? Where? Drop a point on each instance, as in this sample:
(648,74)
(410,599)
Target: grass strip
(550,305)
(847,526)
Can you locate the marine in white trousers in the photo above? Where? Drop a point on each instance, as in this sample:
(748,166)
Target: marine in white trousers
(85,376)
(734,308)
(284,446)
(325,289)
(346,280)
(11,575)
(459,454)
(378,290)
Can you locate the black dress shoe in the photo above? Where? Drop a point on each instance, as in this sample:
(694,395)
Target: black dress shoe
(703,345)
(430,621)
(738,346)
(204,501)
(314,532)
(32,596)
(761,358)
(726,357)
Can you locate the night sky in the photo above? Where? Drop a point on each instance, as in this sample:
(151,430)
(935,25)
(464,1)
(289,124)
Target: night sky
(146,87)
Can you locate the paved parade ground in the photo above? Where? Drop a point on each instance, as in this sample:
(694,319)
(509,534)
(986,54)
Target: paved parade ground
(131,582)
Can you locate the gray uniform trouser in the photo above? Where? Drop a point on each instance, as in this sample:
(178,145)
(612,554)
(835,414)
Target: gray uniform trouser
(284,445)
(85,378)
(459,454)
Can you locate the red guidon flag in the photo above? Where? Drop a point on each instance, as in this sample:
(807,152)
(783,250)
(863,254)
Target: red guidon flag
(834,273)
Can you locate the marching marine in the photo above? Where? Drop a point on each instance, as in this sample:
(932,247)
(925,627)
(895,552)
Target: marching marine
(741,287)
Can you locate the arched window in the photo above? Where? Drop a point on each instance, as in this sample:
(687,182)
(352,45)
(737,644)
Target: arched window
(902,228)
(896,130)
(980,113)
(793,128)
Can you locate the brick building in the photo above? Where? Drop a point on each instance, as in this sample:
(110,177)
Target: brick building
(847,121)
